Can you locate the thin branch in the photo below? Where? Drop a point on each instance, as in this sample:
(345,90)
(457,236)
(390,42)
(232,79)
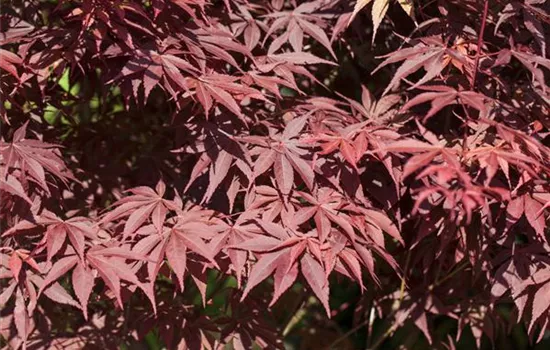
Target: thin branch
(393,327)
(480,42)
(298,313)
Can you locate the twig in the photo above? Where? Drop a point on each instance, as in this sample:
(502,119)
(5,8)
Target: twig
(370,316)
(480,42)
(124,334)
(348,333)
(454,272)
(386,334)
(297,315)
(403,283)
(367,319)
(393,327)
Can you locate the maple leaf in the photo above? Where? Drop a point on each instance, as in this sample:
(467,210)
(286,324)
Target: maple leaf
(533,209)
(219,41)
(493,158)
(33,158)
(285,156)
(144,203)
(458,191)
(350,141)
(376,111)
(296,23)
(343,259)
(112,16)
(297,183)
(77,229)
(9,62)
(428,152)
(279,253)
(325,210)
(23,287)
(219,151)
(246,25)
(187,234)
(82,279)
(149,67)
(540,280)
(233,234)
(430,53)
(221,89)
(284,66)
(109,264)
(17,262)
(441,96)
(269,202)
(530,61)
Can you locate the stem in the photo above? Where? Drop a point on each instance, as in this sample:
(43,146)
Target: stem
(380,340)
(298,314)
(454,272)
(465,131)
(367,319)
(402,289)
(218,285)
(480,42)
(393,327)
(126,320)
(370,316)
(347,334)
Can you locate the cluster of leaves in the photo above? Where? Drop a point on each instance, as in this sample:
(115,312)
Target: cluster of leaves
(154,151)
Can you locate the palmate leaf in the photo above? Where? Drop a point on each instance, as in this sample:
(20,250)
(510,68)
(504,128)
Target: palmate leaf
(223,158)
(442,96)
(376,112)
(351,142)
(534,63)
(282,263)
(285,157)
(148,68)
(285,250)
(107,263)
(325,212)
(187,235)
(143,204)
(112,269)
(33,158)
(9,62)
(221,89)
(12,186)
(296,23)
(430,53)
(78,230)
(233,234)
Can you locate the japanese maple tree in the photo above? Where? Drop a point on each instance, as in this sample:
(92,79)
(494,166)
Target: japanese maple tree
(378,171)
